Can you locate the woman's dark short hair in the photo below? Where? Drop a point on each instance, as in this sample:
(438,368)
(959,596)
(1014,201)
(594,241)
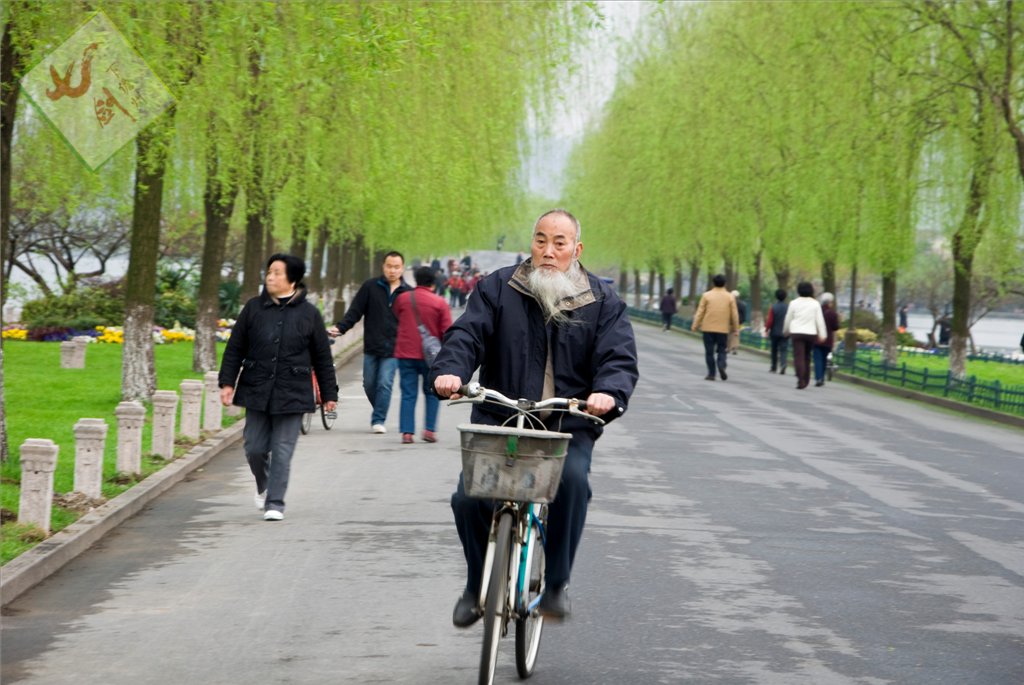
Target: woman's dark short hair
(424,276)
(718,280)
(294,268)
(780,294)
(805,289)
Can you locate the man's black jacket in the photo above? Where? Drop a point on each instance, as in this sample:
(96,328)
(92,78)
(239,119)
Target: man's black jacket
(503,333)
(373,302)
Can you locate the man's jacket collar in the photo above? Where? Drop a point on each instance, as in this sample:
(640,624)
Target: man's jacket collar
(520,281)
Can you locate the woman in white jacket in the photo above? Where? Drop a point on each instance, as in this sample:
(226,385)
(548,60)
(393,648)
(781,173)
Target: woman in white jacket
(805,326)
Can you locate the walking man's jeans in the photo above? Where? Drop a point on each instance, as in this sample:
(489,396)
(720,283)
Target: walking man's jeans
(715,351)
(780,347)
(378,377)
(412,375)
(820,360)
(566,517)
(269,443)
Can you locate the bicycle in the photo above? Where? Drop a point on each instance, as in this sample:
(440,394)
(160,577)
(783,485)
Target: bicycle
(327,418)
(520,469)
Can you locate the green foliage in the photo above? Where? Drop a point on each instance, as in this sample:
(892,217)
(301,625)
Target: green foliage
(864,318)
(82,308)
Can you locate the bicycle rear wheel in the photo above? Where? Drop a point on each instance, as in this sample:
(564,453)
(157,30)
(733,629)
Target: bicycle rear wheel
(307,422)
(327,417)
(497,594)
(529,626)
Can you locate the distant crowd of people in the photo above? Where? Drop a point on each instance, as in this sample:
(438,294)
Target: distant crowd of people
(808,323)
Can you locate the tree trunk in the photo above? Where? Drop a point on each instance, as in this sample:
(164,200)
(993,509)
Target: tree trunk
(850,340)
(731,275)
(138,367)
(782,275)
(316,262)
(677,280)
(361,260)
(218,203)
(828,277)
(661,284)
(691,299)
(889,351)
(269,242)
(755,316)
(332,280)
(623,283)
(651,278)
(300,242)
(637,288)
(11,64)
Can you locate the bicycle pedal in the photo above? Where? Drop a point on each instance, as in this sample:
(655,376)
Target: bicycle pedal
(331,414)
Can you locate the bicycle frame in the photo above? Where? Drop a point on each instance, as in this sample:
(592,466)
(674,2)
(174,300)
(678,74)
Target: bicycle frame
(521,559)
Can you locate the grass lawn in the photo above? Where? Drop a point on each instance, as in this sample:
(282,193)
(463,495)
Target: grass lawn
(45,401)
(985,371)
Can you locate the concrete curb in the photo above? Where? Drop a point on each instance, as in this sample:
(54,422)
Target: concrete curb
(31,568)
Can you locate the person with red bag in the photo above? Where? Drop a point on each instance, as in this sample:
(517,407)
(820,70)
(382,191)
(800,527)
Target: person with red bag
(419,306)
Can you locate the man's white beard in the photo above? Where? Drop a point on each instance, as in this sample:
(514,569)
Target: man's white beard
(551,286)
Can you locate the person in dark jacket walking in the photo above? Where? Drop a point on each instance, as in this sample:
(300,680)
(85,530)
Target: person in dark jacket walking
(277,342)
(773,326)
(668,309)
(544,328)
(822,349)
(373,303)
(419,306)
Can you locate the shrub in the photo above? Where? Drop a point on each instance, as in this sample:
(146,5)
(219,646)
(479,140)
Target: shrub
(86,307)
(862,318)
(175,307)
(863,335)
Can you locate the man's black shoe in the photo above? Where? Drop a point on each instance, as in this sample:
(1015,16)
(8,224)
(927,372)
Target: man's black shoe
(721,372)
(465,613)
(709,377)
(554,603)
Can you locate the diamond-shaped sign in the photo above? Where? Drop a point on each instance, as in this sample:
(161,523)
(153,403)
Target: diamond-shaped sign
(96,90)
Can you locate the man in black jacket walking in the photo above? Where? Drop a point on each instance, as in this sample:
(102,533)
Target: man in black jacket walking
(544,328)
(373,302)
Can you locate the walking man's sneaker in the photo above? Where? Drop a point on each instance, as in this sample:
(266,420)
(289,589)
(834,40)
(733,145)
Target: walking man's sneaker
(709,377)
(273,515)
(554,603)
(465,613)
(406,438)
(378,428)
(721,372)
(260,499)
(429,436)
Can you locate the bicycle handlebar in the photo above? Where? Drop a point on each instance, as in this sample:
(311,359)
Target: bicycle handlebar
(477,394)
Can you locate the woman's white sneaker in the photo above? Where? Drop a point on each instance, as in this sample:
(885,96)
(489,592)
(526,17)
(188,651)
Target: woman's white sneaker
(260,499)
(273,515)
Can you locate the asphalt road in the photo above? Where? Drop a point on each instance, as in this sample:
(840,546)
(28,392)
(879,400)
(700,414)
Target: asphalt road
(740,532)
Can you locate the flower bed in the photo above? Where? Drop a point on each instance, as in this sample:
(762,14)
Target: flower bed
(110,334)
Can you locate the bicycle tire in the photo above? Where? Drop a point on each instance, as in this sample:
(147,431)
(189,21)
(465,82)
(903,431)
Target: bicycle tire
(307,422)
(327,418)
(497,592)
(530,625)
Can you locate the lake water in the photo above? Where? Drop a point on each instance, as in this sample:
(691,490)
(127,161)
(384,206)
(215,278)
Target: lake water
(992,333)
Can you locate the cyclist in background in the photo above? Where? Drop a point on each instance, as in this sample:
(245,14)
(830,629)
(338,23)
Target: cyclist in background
(544,328)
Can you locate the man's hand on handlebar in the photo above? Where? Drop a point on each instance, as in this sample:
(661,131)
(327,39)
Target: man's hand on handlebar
(448,386)
(599,404)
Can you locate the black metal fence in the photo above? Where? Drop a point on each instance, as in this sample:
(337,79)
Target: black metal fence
(991,394)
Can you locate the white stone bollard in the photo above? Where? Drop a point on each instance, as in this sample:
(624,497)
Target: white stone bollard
(212,408)
(130,417)
(38,462)
(90,439)
(165,405)
(191,404)
(72,354)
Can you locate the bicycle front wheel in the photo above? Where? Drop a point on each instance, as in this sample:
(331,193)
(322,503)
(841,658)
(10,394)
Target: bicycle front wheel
(497,594)
(530,623)
(327,418)
(307,422)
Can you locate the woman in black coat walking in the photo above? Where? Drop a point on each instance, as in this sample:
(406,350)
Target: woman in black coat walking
(278,341)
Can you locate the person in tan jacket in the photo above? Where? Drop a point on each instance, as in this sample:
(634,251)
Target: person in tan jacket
(717,317)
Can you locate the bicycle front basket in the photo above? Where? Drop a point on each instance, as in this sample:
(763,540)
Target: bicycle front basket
(507,463)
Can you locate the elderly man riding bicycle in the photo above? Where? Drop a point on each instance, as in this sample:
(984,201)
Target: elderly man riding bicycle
(545,328)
